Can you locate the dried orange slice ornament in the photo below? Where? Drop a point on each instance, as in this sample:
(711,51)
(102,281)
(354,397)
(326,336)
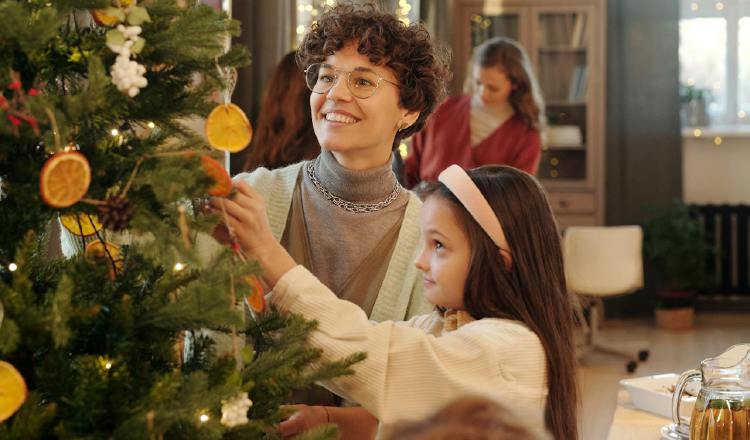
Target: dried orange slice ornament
(213,169)
(102,18)
(98,250)
(257,298)
(13,390)
(65,179)
(81,224)
(228,129)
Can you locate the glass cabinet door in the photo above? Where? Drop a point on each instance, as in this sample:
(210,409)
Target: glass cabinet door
(483,27)
(478,21)
(561,57)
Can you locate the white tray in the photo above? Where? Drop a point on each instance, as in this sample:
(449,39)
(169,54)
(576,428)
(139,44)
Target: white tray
(650,393)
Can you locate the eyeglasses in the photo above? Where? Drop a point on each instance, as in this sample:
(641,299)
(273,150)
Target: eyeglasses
(363,83)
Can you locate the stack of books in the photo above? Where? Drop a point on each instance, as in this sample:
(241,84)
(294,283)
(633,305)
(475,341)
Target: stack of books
(564,136)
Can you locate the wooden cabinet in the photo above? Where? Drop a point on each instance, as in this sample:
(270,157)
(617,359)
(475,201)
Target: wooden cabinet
(565,41)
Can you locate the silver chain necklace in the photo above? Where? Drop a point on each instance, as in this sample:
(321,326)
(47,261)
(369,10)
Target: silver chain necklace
(358,208)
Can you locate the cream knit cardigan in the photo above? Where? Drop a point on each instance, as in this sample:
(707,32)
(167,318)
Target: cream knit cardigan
(400,295)
(409,372)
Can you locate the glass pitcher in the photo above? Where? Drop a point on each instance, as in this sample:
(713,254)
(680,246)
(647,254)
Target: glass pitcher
(722,409)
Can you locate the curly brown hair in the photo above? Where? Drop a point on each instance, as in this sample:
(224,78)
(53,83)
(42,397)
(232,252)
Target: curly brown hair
(420,67)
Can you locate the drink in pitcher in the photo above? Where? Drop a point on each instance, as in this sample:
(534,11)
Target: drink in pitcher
(720,419)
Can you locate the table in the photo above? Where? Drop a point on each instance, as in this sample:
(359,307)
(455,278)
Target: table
(631,423)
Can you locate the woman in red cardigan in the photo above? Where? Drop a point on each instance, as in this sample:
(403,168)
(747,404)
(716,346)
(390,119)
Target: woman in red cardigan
(499,123)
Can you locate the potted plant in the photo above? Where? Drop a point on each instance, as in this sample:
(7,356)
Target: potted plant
(694,106)
(675,247)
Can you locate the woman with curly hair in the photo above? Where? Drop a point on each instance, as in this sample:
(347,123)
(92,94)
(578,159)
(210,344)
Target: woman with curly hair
(344,215)
(498,122)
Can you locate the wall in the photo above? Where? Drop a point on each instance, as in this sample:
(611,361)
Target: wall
(643,127)
(267,33)
(643,156)
(714,173)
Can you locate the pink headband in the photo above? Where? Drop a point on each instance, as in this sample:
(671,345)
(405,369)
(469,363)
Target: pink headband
(461,185)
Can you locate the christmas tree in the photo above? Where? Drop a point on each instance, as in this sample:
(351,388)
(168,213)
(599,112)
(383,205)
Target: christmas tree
(112,342)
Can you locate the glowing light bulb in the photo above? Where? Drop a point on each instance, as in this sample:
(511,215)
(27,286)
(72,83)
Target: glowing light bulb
(697,132)
(717,140)
(12,267)
(108,365)
(403,150)
(151,125)
(178,267)
(115,132)
(204,418)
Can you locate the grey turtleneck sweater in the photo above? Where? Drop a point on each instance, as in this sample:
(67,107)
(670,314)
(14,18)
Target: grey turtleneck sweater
(341,240)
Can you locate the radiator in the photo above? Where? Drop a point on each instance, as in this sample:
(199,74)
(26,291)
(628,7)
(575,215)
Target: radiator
(727,229)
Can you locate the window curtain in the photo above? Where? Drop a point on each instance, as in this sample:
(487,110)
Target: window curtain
(268,33)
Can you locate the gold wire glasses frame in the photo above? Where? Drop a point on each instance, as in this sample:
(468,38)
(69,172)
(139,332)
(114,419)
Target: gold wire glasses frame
(362,83)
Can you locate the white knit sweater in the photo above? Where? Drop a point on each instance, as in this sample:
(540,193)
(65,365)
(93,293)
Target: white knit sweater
(410,373)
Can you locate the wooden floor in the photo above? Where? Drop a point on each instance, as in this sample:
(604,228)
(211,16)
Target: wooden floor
(671,352)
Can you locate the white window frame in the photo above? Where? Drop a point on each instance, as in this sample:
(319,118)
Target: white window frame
(732,11)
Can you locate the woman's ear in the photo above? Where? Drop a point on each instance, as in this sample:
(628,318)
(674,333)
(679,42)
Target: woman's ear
(408,120)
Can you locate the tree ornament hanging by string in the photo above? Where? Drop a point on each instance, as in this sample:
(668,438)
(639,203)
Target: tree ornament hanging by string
(256,300)
(234,410)
(227,126)
(126,42)
(109,253)
(13,390)
(222,186)
(115,213)
(82,224)
(64,179)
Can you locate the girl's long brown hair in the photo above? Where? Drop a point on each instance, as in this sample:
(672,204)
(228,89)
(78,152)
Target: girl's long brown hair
(532,290)
(507,55)
(284,134)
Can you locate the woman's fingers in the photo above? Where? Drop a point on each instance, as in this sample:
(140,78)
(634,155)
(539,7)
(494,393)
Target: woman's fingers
(293,425)
(247,190)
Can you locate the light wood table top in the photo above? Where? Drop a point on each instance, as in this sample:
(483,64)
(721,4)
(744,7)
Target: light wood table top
(631,423)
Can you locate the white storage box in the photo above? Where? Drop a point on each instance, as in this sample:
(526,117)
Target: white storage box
(653,394)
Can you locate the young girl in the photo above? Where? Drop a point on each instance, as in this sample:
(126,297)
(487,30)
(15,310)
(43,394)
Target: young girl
(343,214)
(496,122)
(503,327)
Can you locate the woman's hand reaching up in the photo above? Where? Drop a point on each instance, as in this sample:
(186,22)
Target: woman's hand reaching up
(247,222)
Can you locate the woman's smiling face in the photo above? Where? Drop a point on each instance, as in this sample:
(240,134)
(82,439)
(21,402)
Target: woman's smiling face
(359,132)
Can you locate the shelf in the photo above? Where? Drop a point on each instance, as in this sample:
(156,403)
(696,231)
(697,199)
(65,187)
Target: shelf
(558,49)
(558,148)
(564,103)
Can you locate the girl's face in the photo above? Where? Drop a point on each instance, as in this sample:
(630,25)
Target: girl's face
(359,132)
(492,85)
(446,254)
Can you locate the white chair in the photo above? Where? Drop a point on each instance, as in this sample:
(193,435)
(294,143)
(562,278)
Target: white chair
(603,261)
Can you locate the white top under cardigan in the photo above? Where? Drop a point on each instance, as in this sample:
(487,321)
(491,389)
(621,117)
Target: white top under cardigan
(409,374)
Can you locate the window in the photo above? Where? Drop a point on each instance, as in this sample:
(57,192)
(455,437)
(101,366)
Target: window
(715,58)
(308,10)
